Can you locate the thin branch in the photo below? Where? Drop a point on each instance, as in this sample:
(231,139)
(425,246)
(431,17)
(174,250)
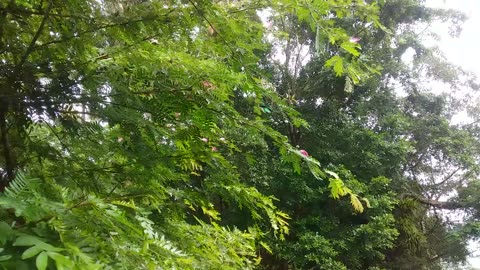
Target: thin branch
(447,205)
(35,37)
(448,177)
(213,27)
(113,189)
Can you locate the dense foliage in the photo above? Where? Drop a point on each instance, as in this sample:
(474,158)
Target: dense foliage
(231,135)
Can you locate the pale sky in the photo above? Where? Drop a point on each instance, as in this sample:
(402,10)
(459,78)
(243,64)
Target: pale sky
(462,51)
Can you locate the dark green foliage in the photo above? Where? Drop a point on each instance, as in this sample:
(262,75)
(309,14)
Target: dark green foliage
(168,135)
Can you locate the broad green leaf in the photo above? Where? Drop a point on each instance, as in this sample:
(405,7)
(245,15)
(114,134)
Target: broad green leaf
(60,259)
(42,261)
(27,240)
(30,252)
(5,257)
(5,232)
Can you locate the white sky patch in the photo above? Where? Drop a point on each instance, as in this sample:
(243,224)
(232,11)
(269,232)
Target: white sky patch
(407,56)
(299,57)
(461,51)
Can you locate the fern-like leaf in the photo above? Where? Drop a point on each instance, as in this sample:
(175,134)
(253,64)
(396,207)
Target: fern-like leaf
(19,185)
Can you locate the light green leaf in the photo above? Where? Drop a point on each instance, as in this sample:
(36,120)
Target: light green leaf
(385,29)
(30,252)
(332,174)
(59,259)
(5,258)
(367,202)
(356,203)
(42,261)
(27,240)
(5,232)
(266,247)
(336,188)
(350,48)
(337,63)
(211,212)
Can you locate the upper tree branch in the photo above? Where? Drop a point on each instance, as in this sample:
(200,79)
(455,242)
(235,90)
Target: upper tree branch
(35,38)
(447,205)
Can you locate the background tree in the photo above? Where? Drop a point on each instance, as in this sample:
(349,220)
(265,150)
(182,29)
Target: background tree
(406,143)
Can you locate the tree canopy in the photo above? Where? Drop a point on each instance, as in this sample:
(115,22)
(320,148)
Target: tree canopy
(231,134)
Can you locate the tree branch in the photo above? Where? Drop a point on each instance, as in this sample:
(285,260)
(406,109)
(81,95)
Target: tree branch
(35,38)
(447,205)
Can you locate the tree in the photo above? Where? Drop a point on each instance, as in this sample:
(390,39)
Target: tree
(368,128)
(121,132)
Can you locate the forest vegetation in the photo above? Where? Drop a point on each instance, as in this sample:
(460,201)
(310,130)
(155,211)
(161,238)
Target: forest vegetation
(234,134)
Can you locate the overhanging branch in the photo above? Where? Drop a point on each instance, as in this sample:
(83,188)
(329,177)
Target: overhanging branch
(447,205)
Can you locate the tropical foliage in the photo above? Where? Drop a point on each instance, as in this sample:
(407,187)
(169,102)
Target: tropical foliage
(231,135)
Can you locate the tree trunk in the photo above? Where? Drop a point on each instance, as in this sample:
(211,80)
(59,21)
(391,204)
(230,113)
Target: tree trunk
(5,145)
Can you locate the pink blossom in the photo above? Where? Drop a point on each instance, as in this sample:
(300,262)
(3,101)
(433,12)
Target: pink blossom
(269,25)
(214,149)
(205,140)
(303,152)
(354,39)
(208,85)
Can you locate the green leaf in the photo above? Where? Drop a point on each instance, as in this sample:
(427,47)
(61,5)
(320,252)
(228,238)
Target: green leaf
(350,48)
(356,203)
(209,211)
(266,247)
(336,188)
(5,232)
(42,261)
(337,63)
(5,258)
(266,110)
(27,240)
(59,259)
(367,202)
(335,175)
(385,29)
(30,252)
